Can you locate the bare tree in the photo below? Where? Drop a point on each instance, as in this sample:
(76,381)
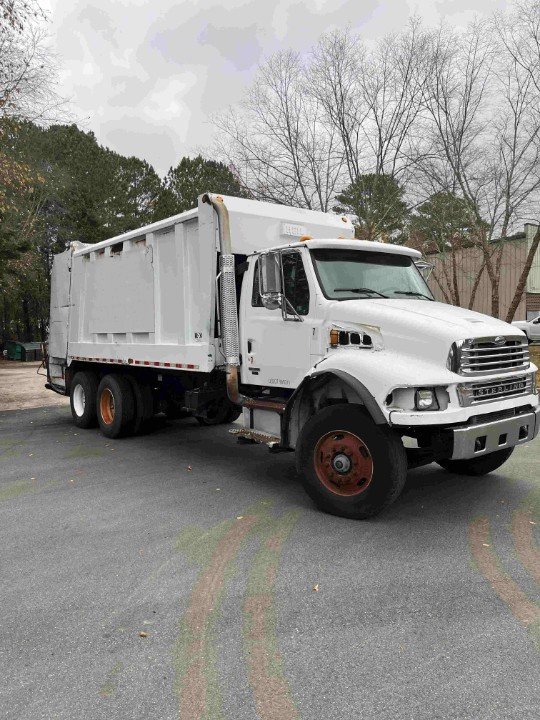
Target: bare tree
(372,99)
(519,34)
(441,111)
(27,66)
(336,71)
(485,136)
(278,141)
(393,85)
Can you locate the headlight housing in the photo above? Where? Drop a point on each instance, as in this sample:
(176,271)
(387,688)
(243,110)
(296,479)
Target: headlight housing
(426,399)
(452,360)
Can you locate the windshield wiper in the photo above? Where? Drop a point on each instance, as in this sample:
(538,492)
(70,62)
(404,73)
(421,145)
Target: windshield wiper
(360,290)
(412,292)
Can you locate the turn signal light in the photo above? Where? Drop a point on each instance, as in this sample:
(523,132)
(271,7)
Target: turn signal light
(334,337)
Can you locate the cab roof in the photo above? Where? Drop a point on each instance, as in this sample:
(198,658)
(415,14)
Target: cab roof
(351,244)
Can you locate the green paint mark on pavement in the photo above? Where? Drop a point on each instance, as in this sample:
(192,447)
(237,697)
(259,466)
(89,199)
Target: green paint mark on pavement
(82,451)
(111,683)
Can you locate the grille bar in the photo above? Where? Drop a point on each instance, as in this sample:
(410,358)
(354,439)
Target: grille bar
(472,354)
(481,356)
(483,364)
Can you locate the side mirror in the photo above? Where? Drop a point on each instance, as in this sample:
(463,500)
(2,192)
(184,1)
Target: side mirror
(270,286)
(425,268)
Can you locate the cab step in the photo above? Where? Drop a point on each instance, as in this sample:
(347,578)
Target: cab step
(255,436)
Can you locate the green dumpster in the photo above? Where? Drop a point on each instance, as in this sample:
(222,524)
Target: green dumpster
(23,351)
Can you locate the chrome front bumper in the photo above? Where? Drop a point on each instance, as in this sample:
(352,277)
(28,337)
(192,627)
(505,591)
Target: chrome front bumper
(474,440)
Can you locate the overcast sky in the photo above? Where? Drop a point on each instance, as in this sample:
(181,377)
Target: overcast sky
(145,75)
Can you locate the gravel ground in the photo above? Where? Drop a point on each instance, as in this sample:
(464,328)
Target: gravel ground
(22,387)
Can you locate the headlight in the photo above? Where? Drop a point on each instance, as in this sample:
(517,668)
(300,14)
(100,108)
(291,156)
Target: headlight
(426,399)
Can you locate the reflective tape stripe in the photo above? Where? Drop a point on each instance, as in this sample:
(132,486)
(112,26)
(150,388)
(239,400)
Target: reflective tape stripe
(147,363)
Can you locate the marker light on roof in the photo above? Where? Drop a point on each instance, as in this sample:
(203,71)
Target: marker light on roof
(305,237)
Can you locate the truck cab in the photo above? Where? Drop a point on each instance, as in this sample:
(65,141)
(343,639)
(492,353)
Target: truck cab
(348,330)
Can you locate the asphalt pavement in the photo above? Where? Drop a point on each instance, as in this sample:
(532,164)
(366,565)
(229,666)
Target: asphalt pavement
(180,575)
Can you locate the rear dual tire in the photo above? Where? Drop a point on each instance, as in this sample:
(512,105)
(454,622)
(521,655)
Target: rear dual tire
(119,404)
(82,399)
(115,406)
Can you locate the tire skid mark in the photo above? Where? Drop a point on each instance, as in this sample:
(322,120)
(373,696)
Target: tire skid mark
(270,689)
(195,657)
(528,552)
(487,562)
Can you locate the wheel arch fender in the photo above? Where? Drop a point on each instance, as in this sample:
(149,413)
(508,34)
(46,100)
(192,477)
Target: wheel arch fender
(320,389)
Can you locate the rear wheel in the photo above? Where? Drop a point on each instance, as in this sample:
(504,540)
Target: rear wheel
(143,405)
(350,466)
(115,406)
(479,465)
(82,398)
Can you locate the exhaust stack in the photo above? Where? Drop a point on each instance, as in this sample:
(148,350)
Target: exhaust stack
(229,313)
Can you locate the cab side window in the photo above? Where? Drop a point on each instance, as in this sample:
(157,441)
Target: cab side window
(296,284)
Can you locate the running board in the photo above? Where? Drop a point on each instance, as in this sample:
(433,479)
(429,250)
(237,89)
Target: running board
(246,435)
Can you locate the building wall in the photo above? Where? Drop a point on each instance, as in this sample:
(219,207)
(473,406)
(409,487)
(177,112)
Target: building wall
(533,281)
(533,305)
(469,262)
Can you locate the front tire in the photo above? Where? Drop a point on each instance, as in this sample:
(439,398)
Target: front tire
(115,406)
(479,465)
(350,466)
(82,399)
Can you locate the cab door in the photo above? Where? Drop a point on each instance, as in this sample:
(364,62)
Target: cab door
(276,344)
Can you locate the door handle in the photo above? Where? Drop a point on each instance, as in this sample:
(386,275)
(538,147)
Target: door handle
(249,345)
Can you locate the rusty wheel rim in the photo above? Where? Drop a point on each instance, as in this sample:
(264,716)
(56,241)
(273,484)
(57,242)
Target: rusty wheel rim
(106,406)
(343,463)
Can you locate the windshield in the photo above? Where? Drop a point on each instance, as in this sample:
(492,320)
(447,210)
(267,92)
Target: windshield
(354,274)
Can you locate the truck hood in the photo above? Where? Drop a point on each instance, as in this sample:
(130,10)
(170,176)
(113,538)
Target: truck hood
(418,327)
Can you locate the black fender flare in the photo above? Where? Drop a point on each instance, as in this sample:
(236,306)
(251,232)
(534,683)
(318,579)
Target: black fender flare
(322,376)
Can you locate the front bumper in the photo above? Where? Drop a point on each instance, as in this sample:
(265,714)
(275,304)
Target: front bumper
(483,438)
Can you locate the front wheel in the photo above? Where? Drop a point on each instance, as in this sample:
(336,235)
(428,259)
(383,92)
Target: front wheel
(479,465)
(350,466)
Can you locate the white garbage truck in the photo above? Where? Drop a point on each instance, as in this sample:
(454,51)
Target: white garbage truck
(326,345)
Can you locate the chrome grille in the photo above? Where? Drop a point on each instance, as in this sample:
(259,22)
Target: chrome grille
(475,393)
(493,355)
